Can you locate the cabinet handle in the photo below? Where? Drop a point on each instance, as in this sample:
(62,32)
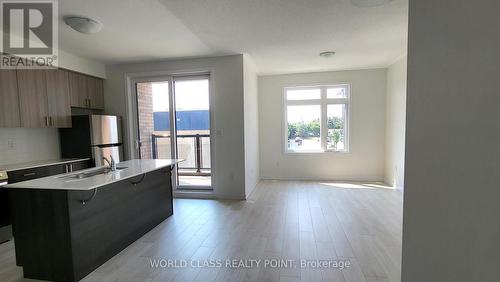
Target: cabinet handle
(67,168)
(90,103)
(50,121)
(71,167)
(46,121)
(29,174)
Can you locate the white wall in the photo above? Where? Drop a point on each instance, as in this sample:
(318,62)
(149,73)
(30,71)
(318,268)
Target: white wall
(76,63)
(395,124)
(83,65)
(364,162)
(451,225)
(228,178)
(252,170)
(19,145)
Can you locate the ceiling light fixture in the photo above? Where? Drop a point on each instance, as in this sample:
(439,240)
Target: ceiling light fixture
(369,3)
(83,25)
(327,54)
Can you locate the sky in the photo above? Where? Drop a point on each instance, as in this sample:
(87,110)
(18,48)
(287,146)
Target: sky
(190,95)
(312,112)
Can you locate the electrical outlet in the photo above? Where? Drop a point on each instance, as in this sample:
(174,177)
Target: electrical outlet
(11,144)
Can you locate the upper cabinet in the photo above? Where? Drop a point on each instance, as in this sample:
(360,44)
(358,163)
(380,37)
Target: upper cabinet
(58,98)
(95,93)
(9,99)
(78,90)
(43,98)
(86,91)
(32,87)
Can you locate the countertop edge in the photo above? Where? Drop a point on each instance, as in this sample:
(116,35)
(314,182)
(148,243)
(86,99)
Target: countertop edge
(19,185)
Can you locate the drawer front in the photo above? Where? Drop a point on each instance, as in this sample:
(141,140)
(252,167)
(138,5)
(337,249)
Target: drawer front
(33,173)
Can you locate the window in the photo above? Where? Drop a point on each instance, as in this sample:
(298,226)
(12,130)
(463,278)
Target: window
(316,118)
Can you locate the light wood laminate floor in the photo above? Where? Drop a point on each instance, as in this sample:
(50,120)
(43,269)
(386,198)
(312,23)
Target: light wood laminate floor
(284,220)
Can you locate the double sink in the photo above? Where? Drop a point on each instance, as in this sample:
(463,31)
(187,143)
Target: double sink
(93,172)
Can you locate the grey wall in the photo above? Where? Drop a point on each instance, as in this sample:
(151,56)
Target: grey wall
(395,122)
(364,161)
(451,226)
(228,112)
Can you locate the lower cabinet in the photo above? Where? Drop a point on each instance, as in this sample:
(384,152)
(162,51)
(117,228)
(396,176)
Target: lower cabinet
(84,229)
(33,173)
(30,174)
(44,171)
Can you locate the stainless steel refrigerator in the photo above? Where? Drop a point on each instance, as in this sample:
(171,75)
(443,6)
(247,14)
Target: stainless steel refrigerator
(93,136)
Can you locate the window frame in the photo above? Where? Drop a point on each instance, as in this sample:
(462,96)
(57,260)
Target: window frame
(323,102)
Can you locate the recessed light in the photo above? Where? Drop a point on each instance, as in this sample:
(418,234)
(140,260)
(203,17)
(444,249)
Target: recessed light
(327,54)
(83,25)
(369,3)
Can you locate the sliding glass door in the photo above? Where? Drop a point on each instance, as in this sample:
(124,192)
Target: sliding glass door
(173,118)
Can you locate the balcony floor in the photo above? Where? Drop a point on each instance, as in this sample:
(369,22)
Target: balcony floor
(204,182)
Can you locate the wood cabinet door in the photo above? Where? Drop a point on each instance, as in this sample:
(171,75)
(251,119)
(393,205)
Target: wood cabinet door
(58,98)
(78,90)
(9,99)
(95,93)
(32,86)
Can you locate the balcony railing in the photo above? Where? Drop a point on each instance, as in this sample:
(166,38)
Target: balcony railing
(193,148)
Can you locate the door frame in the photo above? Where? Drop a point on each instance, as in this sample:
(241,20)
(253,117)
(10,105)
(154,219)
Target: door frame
(132,152)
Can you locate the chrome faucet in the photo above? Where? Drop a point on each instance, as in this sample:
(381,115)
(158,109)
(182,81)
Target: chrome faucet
(112,163)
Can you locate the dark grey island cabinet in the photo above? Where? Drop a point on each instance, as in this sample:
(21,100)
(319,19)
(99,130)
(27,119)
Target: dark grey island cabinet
(64,234)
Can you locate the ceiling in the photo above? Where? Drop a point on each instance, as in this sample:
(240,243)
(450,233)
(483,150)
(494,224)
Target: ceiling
(281,36)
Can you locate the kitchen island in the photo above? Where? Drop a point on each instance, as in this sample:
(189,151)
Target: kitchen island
(66,226)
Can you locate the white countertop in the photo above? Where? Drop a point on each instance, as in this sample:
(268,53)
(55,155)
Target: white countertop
(35,164)
(65,182)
